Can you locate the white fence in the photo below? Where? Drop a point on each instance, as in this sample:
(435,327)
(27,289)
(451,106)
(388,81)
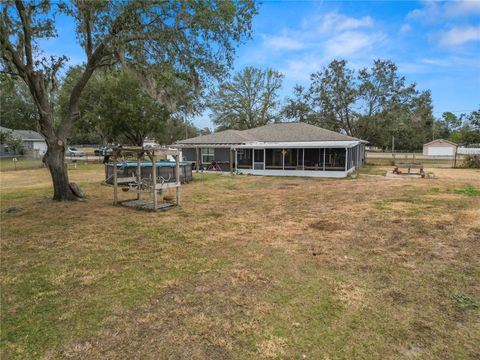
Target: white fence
(468,151)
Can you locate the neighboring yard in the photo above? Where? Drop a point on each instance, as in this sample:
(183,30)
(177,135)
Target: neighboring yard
(248,267)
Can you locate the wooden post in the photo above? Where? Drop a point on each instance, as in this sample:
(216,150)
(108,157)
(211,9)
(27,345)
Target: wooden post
(154,175)
(177,178)
(231,161)
(197,163)
(455,158)
(139,175)
(115,198)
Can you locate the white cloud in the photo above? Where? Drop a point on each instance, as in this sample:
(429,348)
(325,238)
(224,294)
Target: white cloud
(283,43)
(458,8)
(350,42)
(405,28)
(436,11)
(300,69)
(437,62)
(460,35)
(300,51)
(337,22)
(430,11)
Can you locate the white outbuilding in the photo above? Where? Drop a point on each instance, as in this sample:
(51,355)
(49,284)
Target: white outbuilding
(439,147)
(33,143)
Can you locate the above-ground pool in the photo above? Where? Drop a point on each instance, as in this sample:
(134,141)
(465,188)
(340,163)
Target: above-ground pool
(165,170)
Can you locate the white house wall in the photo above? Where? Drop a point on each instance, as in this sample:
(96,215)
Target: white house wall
(440,150)
(39,147)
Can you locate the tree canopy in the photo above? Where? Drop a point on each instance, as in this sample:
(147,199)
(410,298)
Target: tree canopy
(249,100)
(116,108)
(194,41)
(373,103)
(17,107)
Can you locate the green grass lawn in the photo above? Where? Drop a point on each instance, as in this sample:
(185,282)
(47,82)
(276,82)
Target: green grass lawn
(20,163)
(248,267)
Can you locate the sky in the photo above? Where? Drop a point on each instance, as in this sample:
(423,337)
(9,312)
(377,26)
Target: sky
(434,44)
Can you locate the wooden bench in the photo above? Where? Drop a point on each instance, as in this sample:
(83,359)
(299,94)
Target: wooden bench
(408,166)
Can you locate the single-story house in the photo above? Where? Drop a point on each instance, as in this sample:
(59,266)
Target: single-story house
(32,142)
(439,147)
(283,149)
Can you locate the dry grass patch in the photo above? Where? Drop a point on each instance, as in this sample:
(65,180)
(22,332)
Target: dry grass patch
(248,267)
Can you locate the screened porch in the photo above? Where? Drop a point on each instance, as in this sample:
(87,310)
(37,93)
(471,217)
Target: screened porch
(269,160)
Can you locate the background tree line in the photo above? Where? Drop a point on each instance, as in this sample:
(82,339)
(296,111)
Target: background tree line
(374,104)
(115,108)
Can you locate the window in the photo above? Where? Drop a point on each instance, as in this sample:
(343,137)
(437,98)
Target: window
(207,155)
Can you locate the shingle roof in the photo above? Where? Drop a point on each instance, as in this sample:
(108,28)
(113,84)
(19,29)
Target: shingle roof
(221,137)
(294,131)
(279,132)
(23,134)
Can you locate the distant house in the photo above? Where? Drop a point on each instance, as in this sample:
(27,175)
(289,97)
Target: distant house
(439,147)
(33,143)
(283,149)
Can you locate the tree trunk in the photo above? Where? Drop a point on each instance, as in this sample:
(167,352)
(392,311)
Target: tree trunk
(55,160)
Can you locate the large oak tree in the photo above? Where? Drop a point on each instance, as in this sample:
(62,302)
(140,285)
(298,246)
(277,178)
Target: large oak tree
(197,38)
(248,100)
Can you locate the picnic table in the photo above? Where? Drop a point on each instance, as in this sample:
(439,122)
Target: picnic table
(408,166)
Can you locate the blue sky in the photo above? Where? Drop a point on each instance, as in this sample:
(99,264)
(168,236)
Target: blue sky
(435,44)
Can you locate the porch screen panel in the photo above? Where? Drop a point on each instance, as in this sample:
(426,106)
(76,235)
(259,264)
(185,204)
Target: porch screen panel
(313,159)
(291,159)
(349,158)
(300,158)
(258,159)
(335,159)
(244,158)
(273,159)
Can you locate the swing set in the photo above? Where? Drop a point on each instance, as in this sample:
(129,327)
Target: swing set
(138,182)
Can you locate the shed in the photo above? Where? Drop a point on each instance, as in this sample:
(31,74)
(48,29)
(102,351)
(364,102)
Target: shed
(439,147)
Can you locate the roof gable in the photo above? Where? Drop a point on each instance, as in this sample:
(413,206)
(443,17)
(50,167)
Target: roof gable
(22,134)
(440,141)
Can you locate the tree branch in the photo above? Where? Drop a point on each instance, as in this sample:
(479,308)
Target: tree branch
(27,36)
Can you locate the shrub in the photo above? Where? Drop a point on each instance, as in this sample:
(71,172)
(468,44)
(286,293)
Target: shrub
(472,161)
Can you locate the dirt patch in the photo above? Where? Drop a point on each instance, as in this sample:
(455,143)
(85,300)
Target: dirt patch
(272,348)
(351,295)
